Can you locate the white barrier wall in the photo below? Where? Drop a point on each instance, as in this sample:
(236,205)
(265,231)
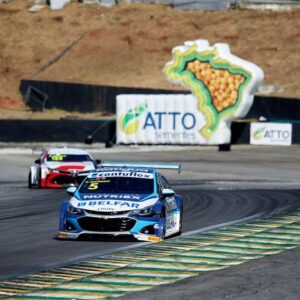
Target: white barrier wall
(163,119)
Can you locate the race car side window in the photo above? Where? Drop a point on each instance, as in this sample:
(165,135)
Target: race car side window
(159,190)
(166,184)
(159,184)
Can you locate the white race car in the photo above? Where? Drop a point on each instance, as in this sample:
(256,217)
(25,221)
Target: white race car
(61,167)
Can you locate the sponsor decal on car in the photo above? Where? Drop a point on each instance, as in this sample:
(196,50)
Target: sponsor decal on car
(110,203)
(154,238)
(170,223)
(170,204)
(125,174)
(111,196)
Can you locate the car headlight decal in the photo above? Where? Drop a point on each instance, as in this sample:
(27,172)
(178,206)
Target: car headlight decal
(74,210)
(144,212)
(44,172)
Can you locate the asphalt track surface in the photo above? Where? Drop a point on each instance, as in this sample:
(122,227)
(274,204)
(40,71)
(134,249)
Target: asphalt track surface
(217,187)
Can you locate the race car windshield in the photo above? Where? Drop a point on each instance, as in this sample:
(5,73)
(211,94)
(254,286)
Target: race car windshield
(117,185)
(68,157)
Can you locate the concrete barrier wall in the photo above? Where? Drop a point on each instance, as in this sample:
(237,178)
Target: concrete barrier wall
(102,131)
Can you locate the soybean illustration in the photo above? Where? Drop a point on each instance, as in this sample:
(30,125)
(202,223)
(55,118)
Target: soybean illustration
(222,85)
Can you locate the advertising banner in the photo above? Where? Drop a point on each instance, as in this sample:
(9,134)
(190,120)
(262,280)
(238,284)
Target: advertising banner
(271,134)
(159,119)
(223,83)
(222,88)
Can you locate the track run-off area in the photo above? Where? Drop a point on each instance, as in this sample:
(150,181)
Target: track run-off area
(241,208)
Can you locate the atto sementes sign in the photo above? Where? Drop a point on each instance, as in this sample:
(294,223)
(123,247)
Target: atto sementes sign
(162,119)
(271,134)
(222,88)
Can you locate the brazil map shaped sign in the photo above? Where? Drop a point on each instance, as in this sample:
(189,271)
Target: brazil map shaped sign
(223,84)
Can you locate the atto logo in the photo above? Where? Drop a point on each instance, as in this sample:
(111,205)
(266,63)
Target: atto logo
(259,133)
(129,122)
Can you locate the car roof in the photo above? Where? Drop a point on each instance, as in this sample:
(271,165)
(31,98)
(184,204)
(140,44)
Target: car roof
(67,151)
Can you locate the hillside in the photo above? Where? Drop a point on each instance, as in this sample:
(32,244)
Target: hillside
(128,45)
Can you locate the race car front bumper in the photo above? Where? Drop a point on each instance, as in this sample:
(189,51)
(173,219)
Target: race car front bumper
(58,180)
(139,236)
(73,226)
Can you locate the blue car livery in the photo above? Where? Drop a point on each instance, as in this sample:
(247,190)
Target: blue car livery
(123,199)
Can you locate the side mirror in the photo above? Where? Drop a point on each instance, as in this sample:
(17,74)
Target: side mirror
(98,161)
(37,161)
(168,192)
(71,190)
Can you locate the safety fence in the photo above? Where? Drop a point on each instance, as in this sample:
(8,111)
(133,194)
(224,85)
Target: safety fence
(222,4)
(93,98)
(97,98)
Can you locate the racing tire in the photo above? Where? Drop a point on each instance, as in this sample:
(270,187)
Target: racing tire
(163,234)
(29,181)
(180,225)
(163,215)
(39,181)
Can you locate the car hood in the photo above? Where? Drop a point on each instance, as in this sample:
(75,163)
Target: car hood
(113,202)
(71,166)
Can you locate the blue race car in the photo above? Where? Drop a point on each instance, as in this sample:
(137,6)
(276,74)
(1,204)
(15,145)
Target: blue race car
(120,199)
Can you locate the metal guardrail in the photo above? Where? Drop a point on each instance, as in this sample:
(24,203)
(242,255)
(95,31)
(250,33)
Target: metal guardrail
(268,4)
(218,4)
(193,4)
(275,2)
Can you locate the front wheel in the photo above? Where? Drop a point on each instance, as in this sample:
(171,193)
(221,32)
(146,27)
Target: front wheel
(29,181)
(39,179)
(163,224)
(180,224)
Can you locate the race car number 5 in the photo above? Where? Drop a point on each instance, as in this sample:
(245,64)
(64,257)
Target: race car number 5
(93,186)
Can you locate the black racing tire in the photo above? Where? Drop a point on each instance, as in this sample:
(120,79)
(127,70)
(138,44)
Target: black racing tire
(163,236)
(180,224)
(29,181)
(39,180)
(163,215)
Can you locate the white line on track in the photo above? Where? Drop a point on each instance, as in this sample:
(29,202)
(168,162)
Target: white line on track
(29,148)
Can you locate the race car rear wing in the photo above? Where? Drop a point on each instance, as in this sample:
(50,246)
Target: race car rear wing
(145,165)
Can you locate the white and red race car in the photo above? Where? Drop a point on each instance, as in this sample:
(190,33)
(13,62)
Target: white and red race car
(61,167)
